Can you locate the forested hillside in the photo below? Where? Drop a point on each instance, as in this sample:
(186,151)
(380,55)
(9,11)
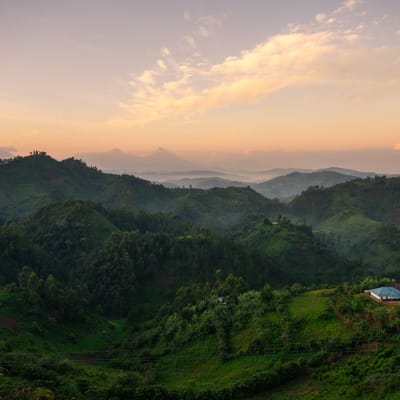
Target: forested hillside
(359,218)
(287,186)
(219,296)
(27,183)
(377,198)
(217,340)
(124,258)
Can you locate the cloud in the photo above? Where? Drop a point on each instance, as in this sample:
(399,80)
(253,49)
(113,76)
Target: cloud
(162,65)
(281,61)
(190,41)
(147,77)
(165,51)
(322,53)
(348,5)
(210,20)
(380,20)
(202,31)
(203,27)
(320,17)
(352,4)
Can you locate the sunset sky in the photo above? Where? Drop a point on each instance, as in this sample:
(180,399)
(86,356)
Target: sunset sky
(199,76)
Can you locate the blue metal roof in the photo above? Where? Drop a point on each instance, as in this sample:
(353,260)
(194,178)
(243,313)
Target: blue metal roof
(387,291)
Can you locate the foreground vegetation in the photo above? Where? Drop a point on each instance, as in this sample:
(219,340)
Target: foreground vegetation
(220,296)
(214,341)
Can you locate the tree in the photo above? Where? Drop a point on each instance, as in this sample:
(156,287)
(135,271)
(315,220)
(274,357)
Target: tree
(29,281)
(266,294)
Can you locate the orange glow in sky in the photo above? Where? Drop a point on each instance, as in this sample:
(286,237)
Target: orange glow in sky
(226,77)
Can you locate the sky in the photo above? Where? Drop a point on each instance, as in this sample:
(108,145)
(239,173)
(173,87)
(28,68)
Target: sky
(199,76)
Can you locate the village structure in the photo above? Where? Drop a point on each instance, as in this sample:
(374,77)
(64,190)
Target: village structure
(384,293)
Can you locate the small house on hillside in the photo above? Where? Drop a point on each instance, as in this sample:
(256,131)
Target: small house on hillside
(385,293)
(223,299)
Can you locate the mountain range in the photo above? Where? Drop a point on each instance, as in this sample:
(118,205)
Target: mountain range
(173,171)
(359,217)
(283,187)
(27,183)
(112,287)
(121,162)
(288,186)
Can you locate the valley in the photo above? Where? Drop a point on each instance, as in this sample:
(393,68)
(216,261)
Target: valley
(145,292)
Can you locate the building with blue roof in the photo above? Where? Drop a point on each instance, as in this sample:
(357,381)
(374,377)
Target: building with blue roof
(385,293)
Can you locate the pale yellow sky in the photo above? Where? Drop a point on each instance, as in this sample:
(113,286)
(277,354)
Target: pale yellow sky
(216,78)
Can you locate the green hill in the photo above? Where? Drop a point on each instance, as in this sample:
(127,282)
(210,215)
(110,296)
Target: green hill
(112,288)
(217,341)
(125,258)
(378,199)
(287,186)
(59,237)
(27,183)
(223,207)
(298,255)
(359,218)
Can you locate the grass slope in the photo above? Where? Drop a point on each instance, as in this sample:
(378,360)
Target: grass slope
(340,357)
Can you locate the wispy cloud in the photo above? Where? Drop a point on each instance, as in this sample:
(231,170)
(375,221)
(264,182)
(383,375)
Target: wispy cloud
(166,52)
(203,31)
(162,65)
(210,20)
(281,61)
(190,41)
(352,4)
(348,5)
(147,78)
(322,51)
(321,17)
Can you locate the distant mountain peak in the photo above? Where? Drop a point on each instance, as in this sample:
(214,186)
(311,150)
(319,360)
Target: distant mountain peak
(346,171)
(117,160)
(284,187)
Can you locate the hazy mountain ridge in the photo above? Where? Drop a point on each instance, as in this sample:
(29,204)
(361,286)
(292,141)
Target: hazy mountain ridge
(161,163)
(27,183)
(118,161)
(293,184)
(346,171)
(205,183)
(281,187)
